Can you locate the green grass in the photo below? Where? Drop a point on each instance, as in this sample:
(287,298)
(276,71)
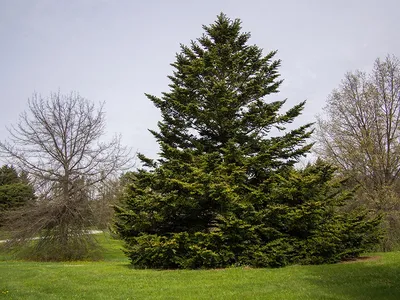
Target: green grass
(114,279)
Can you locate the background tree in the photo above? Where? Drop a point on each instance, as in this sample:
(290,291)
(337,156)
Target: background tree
(107,196)
(58,144)
(222,193)
(360,134)
(15,191)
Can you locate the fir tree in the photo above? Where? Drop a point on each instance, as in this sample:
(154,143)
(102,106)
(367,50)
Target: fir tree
(222,191)
(15,190)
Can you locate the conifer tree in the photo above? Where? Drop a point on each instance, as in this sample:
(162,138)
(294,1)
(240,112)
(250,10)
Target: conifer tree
(221,192)
(15,190)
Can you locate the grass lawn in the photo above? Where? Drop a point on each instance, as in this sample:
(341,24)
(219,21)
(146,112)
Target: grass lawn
(114,279)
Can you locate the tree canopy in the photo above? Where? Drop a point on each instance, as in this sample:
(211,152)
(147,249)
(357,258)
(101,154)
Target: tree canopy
(360,135)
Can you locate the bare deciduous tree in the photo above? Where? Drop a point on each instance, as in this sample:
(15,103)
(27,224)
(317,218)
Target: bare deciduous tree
(58,143)
(361,133)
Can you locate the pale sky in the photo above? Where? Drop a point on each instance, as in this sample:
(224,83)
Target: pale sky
(115,51)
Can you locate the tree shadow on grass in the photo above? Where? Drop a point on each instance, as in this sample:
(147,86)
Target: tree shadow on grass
(357,281)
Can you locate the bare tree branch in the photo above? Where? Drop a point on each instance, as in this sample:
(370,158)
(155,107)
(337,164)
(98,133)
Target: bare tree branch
(59,143)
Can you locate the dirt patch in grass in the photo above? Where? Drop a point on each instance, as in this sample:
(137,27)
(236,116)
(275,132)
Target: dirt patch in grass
(360,259)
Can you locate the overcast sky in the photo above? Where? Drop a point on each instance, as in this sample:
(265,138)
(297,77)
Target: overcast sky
(115,51)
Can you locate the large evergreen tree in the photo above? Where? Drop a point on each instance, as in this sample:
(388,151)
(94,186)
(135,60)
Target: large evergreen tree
(224,191)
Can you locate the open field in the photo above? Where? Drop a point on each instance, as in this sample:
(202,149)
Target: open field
(377,278)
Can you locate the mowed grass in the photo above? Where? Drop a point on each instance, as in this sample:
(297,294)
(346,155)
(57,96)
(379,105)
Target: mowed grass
(113,278)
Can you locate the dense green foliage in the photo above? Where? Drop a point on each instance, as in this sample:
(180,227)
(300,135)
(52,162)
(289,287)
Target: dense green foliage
(15,190)
(225,191)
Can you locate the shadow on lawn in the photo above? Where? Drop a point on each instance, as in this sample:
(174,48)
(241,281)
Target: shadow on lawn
(358,281)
